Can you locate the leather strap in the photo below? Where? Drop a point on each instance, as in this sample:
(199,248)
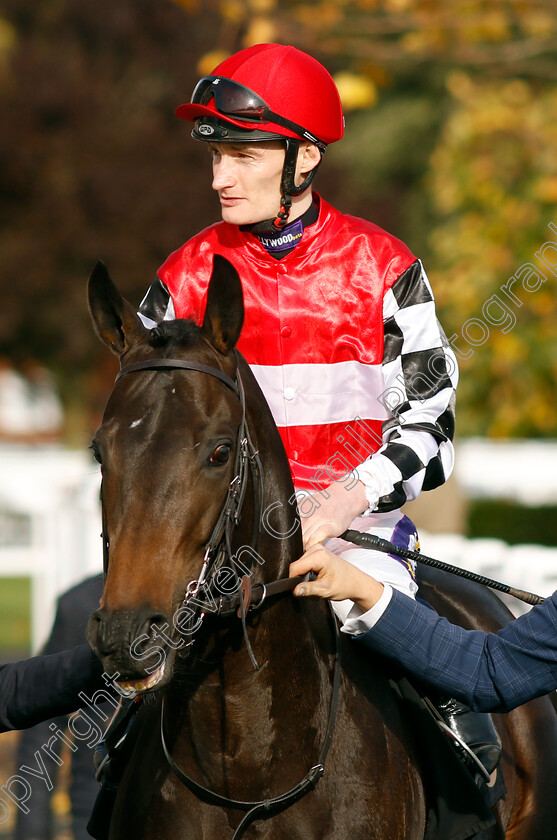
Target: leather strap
(268,806)
(181,364)
(259,594)
(245,596)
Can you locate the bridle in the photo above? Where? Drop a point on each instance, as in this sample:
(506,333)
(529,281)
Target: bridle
(218,549)
(247,463)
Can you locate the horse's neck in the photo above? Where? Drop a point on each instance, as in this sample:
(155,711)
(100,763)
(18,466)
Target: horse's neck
(229,717)
(280,536)
(235,719)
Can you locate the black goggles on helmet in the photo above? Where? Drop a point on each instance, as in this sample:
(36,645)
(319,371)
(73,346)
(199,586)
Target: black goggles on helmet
(239,102)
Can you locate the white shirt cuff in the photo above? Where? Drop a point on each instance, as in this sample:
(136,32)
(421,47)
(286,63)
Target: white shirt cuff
(372,488)
(358,622)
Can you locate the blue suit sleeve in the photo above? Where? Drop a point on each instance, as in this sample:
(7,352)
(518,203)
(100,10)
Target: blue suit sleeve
(487,671)
(47,686)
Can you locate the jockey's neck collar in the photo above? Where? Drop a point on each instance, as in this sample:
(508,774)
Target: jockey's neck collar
(281,243)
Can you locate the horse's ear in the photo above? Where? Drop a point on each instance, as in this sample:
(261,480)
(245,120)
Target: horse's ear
(224,314)
(115,320)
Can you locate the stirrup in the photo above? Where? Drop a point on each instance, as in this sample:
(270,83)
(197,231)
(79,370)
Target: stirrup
(472,733)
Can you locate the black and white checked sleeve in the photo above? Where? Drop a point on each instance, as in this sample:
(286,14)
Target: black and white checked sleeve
(420,375)
(156,306)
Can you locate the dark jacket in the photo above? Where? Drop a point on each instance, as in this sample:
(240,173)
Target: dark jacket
(488,671)
(68,630)
(46,686)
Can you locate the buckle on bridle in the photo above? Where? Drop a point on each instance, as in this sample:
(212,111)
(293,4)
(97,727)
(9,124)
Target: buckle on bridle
(261,601)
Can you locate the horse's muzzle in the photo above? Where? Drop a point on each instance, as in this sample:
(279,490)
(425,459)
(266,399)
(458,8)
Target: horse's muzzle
(133,643)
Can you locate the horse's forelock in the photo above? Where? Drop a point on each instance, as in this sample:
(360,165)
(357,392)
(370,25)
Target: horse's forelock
(173,333)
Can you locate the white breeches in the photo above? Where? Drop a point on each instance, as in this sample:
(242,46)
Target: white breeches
(386,568)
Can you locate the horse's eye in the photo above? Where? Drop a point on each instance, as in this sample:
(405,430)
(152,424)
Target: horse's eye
(96,454)
(221,454)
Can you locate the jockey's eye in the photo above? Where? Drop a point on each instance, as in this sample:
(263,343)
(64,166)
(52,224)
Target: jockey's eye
(221,454)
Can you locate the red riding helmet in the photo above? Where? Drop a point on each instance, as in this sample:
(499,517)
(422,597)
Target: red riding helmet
(269,92)
(270,88)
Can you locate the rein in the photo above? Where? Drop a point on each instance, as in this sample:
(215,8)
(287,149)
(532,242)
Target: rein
(218,549)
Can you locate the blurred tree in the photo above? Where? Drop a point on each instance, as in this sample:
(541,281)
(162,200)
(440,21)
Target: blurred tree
(494,181)
(93,164)
(379,37)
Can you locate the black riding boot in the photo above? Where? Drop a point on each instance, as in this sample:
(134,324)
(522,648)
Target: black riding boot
(473,733)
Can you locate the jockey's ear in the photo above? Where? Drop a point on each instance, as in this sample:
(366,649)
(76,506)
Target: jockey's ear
(116,322)
(224,314)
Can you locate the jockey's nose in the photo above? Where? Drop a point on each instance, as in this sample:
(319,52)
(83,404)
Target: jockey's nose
(223,173)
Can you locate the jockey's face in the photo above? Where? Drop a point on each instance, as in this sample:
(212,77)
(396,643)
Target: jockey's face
(247,178)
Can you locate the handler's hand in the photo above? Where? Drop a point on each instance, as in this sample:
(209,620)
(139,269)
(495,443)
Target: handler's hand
(336,579)
(333,511)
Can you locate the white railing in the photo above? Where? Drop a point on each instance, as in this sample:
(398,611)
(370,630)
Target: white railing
(529,567)
(49,524)
(522,471)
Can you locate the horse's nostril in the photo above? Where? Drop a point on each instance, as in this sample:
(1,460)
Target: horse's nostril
(157,622)
(95,633)
(93,626)
(128,633)
(154,628)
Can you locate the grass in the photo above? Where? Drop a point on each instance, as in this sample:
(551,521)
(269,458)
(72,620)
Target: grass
(15,615)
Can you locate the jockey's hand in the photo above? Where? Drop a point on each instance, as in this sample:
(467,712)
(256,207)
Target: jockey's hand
(336,579)
(332,512)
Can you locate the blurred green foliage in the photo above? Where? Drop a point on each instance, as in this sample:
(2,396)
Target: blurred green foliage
(15,616)
(493,179)
(513,523)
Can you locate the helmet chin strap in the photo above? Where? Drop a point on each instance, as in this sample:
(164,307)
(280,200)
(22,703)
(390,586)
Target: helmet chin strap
(288,189)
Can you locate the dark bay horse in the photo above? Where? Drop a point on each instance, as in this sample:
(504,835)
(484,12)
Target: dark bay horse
(192,462)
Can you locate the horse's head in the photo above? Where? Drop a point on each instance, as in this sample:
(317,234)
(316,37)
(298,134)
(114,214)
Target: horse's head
(170,445)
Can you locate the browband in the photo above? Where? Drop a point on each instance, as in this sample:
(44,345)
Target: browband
(157,364)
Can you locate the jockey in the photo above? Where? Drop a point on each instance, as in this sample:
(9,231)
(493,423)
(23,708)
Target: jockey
(340,327)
